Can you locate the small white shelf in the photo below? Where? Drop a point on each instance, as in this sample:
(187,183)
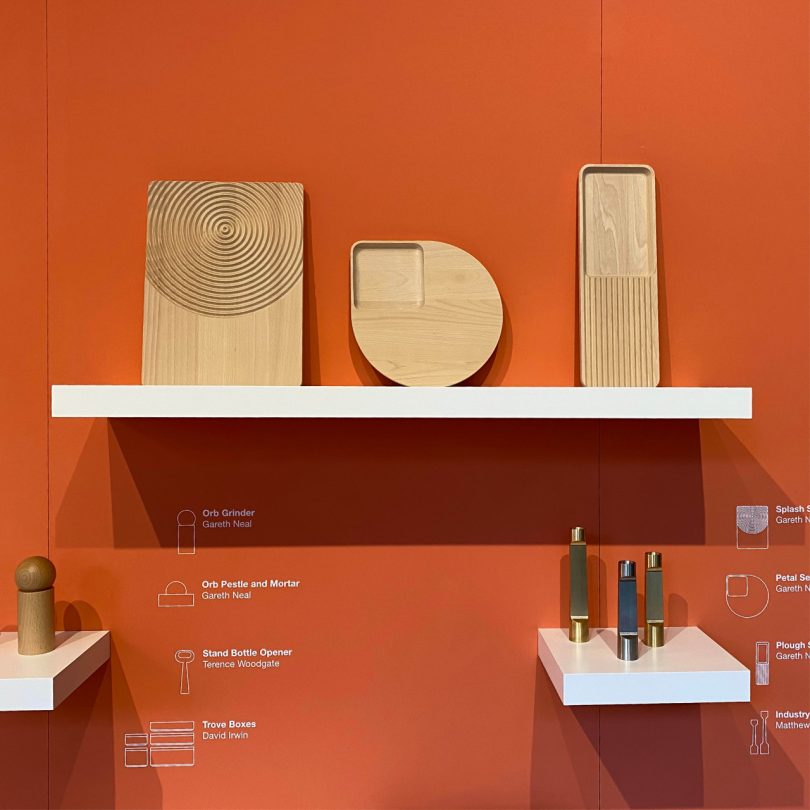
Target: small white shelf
(689,668)
(42,682)
(369,402)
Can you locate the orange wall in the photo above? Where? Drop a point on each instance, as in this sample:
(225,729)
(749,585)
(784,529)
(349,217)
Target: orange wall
(428,552)
(716,96)
(23,361)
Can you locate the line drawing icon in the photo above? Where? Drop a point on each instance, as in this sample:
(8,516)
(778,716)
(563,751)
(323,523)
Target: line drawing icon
(184,658)
(762,662)
(169,744)
(764,747)
(761,748)
(753,749)
(136,750)
(186,532)
(175,595)
(752,527)
(747,595)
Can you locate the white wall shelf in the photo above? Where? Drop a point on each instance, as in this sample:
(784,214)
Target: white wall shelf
(369,402)
(42,682)
(689,668)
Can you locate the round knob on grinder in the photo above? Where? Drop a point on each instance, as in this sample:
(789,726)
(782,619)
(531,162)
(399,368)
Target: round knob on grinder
(35,574)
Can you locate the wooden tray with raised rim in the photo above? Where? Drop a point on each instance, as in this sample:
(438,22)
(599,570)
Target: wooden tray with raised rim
(423,313)
(618,276)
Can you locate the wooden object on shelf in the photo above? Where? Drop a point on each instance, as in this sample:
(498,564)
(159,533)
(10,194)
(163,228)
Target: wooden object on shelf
(35,619)
(618,276)
(423,313)
(224,284)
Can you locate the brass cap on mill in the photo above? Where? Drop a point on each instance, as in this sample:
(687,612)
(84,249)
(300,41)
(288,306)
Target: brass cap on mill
(578,630)
(655,634)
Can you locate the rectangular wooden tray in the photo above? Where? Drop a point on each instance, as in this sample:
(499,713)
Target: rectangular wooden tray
(618,276)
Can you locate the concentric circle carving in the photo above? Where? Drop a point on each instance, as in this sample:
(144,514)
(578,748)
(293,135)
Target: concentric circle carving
(224,248)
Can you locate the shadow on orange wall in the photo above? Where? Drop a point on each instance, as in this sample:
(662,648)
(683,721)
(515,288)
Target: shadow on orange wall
(651,482)
(77,616)
(677,610)
(23,750)
(83,750)
(451,483)
(449,472)
(555,768)
(743,478)
(653,757)
(739,779)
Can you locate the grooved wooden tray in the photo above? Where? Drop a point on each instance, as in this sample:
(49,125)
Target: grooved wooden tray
(223,288)
(423,313)
(618,276)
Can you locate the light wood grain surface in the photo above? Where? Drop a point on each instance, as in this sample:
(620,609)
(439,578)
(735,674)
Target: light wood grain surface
(618,276)
(423,313)
(224,284)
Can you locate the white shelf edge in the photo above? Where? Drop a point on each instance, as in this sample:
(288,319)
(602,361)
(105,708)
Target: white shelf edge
(42,682)
(389,402)
(689,668)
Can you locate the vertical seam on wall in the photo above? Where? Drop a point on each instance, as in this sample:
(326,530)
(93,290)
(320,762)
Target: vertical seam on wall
(47,308)
(599,436)
(599,622)
(47,376)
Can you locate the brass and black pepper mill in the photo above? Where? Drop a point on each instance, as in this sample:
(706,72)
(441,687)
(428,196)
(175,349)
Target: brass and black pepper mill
(654,599)
(627,644)
(35,621)
(578,590)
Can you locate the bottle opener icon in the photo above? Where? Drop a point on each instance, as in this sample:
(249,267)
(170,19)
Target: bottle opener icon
(184,658)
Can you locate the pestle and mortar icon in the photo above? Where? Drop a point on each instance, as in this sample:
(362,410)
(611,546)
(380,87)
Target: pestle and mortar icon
(184,658)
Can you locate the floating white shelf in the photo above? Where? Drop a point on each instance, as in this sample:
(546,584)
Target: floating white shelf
(42,682)
(689,668)
(369,402)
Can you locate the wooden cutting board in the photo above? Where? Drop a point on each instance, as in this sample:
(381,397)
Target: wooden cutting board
(423,313)
(224,281)
(618,276)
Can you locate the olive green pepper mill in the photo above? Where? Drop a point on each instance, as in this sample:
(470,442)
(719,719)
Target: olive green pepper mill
(578,630)
(654,599)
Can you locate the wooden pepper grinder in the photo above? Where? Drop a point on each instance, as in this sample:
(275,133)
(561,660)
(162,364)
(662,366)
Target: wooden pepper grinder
(35,623)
